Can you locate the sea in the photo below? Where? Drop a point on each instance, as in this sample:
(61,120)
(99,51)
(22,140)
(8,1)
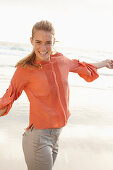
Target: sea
(11,52)
(87,140)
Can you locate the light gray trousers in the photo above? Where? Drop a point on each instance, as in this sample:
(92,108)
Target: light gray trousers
(40,147)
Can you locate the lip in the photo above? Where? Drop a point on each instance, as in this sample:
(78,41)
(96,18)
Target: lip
(43,53)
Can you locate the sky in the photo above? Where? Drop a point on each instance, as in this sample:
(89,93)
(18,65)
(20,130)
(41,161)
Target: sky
(84,24)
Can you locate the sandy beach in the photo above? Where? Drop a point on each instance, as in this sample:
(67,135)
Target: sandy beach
(86,143)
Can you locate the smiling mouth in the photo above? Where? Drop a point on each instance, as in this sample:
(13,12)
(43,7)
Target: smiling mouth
(43,53)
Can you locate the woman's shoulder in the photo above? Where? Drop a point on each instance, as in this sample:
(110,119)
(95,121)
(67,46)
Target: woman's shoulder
(24,69)
(22,73)
(62,56)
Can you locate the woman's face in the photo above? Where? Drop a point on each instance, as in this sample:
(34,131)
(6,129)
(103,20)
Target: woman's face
(42,43)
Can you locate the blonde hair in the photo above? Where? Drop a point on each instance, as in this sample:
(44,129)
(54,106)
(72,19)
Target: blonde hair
(29,60)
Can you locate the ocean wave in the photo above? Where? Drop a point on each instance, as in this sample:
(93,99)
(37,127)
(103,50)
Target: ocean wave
(7,66)
(11,52)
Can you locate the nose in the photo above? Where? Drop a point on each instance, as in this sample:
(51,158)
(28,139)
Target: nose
(43,47)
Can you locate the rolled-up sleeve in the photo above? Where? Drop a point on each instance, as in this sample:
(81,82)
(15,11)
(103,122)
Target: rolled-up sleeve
(17,84)
(87,71)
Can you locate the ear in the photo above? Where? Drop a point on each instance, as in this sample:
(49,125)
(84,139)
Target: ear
(31,40)
(54,41)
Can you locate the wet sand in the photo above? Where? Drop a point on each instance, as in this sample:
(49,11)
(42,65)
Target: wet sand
(86,143)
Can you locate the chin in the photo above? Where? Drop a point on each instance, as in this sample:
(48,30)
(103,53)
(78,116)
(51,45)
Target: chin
(46,59)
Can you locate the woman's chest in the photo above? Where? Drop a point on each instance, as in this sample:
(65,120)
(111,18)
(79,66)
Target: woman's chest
(47,80)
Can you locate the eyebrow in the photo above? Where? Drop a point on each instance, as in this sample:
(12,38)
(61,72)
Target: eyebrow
(37,40)
(41,41)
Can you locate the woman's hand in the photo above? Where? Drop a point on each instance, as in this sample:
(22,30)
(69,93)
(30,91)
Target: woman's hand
(2,111)
(109,64)
(106,63)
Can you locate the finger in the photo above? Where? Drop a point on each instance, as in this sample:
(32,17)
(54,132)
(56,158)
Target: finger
(110,62)
(109,65)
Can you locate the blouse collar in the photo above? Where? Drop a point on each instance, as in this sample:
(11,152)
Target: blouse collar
(52,56)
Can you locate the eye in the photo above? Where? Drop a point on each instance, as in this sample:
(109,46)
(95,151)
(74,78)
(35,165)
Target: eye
(49,42)
(38,42)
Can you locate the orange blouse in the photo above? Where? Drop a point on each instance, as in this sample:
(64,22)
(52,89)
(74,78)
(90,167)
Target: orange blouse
(47,90)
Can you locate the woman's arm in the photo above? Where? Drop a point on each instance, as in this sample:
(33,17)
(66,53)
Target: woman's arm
(17,84)
(106,63)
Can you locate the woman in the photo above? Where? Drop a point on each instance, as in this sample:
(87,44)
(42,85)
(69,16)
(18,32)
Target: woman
(43,75)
